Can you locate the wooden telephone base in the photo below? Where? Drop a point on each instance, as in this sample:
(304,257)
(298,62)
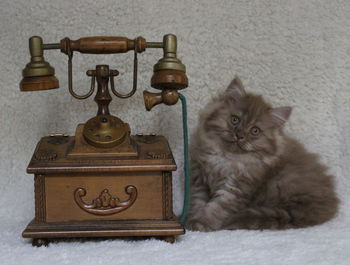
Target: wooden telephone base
(81,191)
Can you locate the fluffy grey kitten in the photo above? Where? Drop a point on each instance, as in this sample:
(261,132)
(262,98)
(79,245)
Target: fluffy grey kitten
(247,174)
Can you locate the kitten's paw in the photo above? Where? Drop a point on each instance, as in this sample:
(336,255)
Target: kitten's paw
(201,227)
(195,225)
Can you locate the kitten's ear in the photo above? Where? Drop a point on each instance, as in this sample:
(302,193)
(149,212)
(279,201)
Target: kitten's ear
(236,89)
(280,115)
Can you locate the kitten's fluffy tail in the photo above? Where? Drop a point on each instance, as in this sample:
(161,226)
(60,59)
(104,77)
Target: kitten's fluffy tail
(278,218)
(261,218)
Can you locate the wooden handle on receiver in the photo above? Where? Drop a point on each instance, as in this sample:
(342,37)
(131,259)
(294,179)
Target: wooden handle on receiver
(105,45)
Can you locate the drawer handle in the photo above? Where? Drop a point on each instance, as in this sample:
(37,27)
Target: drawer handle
(105,204)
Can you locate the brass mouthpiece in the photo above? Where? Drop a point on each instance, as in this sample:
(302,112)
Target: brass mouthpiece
(38,74)
(167,96)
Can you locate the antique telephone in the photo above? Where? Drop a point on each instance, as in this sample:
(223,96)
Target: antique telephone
(104,181)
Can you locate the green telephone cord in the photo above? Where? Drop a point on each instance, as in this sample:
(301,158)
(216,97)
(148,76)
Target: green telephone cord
(186,160)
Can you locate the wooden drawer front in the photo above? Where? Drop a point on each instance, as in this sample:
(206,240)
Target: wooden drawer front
(95,197)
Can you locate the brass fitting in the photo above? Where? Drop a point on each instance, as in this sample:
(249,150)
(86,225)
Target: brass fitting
(169,72)
(38,74)
(169,60)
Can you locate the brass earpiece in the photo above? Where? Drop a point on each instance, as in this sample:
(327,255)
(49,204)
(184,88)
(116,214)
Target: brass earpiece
(38,74)
(169,76)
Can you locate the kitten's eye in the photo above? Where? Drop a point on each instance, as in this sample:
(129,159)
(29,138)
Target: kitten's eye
(255,131)
(235,120)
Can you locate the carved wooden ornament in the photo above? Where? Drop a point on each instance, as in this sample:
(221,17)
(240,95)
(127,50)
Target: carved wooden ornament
(105,204)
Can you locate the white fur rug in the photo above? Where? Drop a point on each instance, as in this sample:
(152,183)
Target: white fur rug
(321,245)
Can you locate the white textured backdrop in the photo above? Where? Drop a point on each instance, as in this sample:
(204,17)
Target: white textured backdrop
(293,52)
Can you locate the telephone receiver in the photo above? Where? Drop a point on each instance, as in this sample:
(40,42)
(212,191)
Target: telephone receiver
(169,72)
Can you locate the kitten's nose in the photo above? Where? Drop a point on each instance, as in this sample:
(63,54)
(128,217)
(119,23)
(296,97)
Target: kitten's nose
(239,136)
